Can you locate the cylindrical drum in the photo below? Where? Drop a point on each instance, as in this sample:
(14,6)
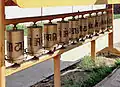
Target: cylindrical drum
(15,46)
(62,32)
(91,24)
(80,28)
(85,27)
(97,23)
(74,29)
(109,19)
(34,39)
(103,21)
(50,35)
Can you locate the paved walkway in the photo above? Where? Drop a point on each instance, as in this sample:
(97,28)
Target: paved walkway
(38,72)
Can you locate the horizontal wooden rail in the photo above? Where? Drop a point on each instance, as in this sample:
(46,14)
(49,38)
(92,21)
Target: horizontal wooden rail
(50,17)
(27,64)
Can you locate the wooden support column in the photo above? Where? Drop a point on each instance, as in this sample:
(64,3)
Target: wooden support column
(57,82)
(93,49)
(110,36)
(110,40)
(2,43)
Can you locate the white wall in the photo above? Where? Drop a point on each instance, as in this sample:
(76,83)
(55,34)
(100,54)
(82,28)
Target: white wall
(16,12)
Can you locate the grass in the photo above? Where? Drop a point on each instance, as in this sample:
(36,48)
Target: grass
(116,16)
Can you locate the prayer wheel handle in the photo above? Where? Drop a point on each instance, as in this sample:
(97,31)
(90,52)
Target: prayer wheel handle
(50,21)
(102,12)
(73,17)
(82,16)
(90,14)
(78,13)
(62,19)
(15,27)
(96,13)
(34,24)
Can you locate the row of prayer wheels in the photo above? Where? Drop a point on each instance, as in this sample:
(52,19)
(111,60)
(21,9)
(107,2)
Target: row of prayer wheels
(62,33)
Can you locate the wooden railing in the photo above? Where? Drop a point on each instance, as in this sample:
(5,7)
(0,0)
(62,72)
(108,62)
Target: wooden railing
(55,56)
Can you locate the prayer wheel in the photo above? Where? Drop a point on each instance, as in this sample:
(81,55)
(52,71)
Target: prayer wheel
(109,20)
(62,32)
(103,22)
(91,25)
(80,28)
(34,39)
(15,46)
(73,29)
(84,27)
(97,23)
(50,35)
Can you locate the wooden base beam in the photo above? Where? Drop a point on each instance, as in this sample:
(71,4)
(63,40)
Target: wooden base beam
(57,82)
(93,49)
(110,50)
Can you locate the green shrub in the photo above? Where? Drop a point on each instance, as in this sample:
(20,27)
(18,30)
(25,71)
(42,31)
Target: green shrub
(87,63)
(117,61)
(96,76)
(8,27)
(116,16)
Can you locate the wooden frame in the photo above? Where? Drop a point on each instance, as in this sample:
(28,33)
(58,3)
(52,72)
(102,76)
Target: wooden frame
(50,17)
(56,55)
(2,43)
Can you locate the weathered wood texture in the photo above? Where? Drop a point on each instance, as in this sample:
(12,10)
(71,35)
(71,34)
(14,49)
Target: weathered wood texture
(2,43)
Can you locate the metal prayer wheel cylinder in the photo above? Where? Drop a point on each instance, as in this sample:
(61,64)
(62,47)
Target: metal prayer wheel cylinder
(15,46)
(50,35)
(97,23)
(91,24)
(34,39)
(80,28)
(62,32)
(73,29)
(103,21)
(84,27)
(109,20)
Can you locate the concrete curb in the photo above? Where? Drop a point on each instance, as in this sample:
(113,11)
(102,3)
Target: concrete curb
(106,78)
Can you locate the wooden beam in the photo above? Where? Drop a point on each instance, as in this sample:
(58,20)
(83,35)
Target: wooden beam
(57,82)
(93,49)
(2,43)
(10,3)
(50,17)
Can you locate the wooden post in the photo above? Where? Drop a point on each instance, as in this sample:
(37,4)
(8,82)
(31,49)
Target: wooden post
(110,36)
(2,43)
(110,40)
(57,82)
(93,49)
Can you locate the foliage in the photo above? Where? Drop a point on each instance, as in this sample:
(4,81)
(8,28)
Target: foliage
(87,63)
(117,61)
(116,16)
(94,77)
(96,73)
